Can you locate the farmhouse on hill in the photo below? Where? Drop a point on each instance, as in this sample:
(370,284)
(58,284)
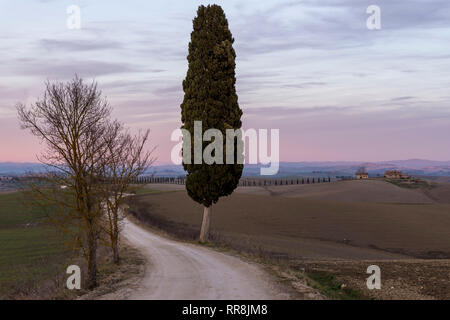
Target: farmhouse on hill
(362,173)
(395,174)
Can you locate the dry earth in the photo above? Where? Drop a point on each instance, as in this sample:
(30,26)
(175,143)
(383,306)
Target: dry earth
(335,228)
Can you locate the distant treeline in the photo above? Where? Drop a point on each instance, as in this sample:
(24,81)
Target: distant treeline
(244,182)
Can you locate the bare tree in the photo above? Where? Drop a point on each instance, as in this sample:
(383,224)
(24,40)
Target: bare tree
(72,120)
(124,160)
(361,170)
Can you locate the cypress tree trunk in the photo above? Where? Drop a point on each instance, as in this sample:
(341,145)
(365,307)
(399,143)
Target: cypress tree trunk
(204,233)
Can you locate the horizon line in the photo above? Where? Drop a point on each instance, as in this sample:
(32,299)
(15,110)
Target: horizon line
(297,161)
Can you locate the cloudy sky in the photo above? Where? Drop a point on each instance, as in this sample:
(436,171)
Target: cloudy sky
(311,68)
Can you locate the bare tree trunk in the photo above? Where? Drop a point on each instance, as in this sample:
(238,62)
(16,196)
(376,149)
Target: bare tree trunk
(115,247)
(92,260)
(204,233)
(116,256)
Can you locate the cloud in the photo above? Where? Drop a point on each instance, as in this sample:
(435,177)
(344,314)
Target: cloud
(78,45)
(330,24)
(328,113)
(64,69)
(402,98)
(164,91)
(304,85)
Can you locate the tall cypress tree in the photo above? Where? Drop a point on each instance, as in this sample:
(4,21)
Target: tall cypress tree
(210,97)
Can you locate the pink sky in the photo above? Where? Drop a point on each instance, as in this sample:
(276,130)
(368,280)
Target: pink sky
(335,90)
(302,138)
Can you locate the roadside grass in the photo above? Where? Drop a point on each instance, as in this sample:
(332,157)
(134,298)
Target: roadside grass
(137,190)
(412,183)
(328,285)
(116,280)
(35,253)
(31,250)
(144,190)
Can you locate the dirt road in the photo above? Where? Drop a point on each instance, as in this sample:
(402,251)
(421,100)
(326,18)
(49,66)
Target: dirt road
(180,270)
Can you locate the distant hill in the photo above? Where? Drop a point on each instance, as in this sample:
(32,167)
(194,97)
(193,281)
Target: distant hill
(19,168)
(415,167)
(334,168)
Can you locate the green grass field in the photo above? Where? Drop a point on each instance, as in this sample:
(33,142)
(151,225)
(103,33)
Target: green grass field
(31,250)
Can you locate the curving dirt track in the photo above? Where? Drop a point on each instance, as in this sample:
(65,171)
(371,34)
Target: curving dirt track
(180,270)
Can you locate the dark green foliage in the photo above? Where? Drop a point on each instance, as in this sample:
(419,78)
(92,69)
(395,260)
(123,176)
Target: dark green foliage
(327,284)
(210,97)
